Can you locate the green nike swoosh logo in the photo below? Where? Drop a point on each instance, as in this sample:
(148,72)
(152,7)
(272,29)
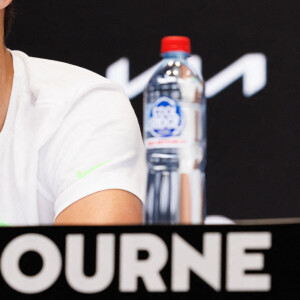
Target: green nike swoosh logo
(3,224)
(80,174)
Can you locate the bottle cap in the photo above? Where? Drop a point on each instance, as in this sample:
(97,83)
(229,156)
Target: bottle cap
(175,43)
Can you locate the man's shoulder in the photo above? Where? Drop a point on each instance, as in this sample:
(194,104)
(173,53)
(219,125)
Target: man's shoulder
(48,78)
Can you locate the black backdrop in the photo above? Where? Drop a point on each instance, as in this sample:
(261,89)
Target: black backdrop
(253,168)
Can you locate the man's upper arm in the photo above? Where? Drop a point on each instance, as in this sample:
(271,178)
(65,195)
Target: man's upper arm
(94,167)
(109,207)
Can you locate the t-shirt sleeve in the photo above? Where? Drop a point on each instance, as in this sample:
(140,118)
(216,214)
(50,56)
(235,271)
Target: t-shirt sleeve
(97,147)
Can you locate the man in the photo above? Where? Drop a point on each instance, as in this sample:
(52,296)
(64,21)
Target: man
(71,152)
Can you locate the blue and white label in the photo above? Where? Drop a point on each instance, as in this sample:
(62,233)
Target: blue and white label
(166,118)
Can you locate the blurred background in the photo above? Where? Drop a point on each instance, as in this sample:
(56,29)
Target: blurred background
(248,52)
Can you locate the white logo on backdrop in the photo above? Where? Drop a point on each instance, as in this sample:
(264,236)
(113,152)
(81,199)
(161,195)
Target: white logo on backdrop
(251,67)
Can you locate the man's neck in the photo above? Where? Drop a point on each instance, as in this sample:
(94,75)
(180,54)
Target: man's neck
(6,80)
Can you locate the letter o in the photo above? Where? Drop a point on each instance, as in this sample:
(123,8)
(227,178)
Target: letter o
(51,257)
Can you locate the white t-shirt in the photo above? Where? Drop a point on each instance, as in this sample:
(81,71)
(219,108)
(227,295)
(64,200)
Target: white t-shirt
(68,133)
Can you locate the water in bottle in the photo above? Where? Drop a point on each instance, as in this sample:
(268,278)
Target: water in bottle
(175,138)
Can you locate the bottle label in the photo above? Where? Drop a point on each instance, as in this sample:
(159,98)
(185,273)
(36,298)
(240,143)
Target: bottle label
(166,118)
(166,122)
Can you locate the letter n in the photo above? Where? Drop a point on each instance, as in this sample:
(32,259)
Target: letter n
(206,265)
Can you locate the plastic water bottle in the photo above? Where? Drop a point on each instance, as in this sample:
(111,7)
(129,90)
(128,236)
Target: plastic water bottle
(175,138)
